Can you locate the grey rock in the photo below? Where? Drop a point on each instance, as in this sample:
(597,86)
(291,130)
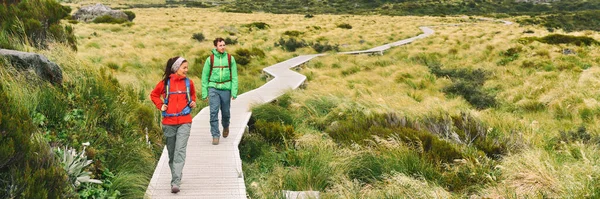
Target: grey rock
(568,51)
(37,63)
(301,194)
(89,13)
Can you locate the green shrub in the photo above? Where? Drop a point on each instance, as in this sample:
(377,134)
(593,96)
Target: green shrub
(242,56)
(293,33)
(370,167)
(130,15)
(466,83)
(230,41)
(568,39)
(276,133)
(308,16)
(291,44)
(113,65)
(25,157)
(252,146)
(324,47)
(351,70)
(196,4)
(109,19)
(257,52)
(309,171)
(257,25)
(471,91)
(272,113)
(344,26)
(561,39)
(199,37)
(22,22)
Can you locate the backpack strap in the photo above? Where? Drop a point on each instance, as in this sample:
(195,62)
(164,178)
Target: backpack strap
(187,90)
(229,65)
(187,109)
(167,91)
(212,63)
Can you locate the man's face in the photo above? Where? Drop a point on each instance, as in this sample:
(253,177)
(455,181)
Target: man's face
(221,46)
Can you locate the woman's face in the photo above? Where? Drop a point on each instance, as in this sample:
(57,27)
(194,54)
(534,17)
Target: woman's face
(183,69)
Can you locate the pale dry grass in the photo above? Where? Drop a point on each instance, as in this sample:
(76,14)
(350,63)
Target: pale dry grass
(566,173)
(389,83)
(141,50)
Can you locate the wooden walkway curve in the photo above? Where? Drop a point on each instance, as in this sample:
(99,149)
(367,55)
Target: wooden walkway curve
(216,171)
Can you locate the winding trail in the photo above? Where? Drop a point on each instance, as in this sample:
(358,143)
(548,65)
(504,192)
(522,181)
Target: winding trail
(216,171)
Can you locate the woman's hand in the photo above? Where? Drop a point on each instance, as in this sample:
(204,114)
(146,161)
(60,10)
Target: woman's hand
(164,107)
(193,104)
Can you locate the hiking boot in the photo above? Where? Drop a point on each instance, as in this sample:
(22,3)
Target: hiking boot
(174,189)
(215,141)
(225,132)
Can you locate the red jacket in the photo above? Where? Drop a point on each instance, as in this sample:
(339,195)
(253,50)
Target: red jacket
(176,101)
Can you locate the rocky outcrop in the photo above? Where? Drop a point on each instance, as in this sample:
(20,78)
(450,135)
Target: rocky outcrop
(89,13)
(37,63)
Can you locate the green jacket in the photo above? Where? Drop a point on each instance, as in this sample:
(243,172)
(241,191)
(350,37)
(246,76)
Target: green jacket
(220,75)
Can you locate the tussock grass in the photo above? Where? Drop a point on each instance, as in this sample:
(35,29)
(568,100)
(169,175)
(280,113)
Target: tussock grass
(539,92)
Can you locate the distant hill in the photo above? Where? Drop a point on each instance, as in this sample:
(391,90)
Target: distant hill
(413,7)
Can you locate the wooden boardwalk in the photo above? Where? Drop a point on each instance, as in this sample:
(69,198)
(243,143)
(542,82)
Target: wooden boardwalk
(216,171)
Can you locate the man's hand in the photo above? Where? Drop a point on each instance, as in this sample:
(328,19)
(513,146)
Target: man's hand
(164,107)
(232,98)
(193,104)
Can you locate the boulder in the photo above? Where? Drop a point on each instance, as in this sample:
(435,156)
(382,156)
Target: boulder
(89,13)
(37,63)
(568,51)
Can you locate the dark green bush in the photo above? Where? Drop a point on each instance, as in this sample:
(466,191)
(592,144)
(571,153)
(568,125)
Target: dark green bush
(199,37)
(275,133)
(561,39)
(308,16)
(272,113)
(256,52)
(472,92)
(370,167)
(230,41)
(242,56)
(257,25)
(196,4)
(465,82)
(22,20)
(109,19)
(25,159)
(344,26)
(568,39)
(130,15)
(252,146)
(291,44)
(293,33)
(308,170)
(325,47)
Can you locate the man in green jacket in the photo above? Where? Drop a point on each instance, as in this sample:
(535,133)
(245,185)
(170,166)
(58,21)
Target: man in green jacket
(220,85)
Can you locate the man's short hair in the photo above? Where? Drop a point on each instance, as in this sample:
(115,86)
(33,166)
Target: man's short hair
(217,40)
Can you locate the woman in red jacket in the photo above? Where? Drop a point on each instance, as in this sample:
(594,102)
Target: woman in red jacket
(179,96)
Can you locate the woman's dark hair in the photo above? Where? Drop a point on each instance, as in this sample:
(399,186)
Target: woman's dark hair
(168,70)
(217,40)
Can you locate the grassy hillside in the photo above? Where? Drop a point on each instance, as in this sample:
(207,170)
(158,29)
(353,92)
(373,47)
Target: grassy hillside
(478,109)
(362,127)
